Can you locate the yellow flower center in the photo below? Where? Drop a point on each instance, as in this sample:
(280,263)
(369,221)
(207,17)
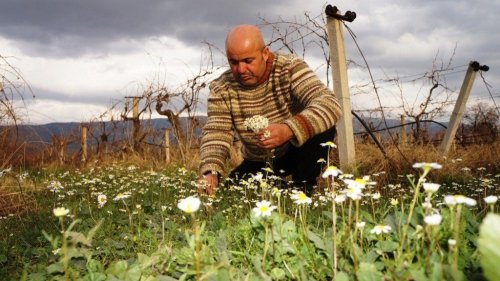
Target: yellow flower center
(360,181)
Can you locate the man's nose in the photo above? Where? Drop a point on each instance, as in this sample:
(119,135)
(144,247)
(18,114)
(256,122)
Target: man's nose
(242,67)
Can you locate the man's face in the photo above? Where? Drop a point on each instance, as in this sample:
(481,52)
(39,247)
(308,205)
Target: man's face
(248,64)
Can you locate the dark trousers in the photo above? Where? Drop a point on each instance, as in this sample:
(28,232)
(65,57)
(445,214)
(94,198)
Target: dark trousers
(300,162)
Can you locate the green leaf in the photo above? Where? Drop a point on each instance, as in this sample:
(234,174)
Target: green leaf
(184,255)
(318,242)
(418,275)
(115,244)
(54,241)
(342,276)
(369,257)
(387,246)
(437,272)
(278,274)
(289,230)
(96,276)
(55,268)
(121,271)
(148,278)
(258,267)
(145,261)
(72,224)
(221,274)
(37,277)
(117,268)
(221,246)
(489,246)
(94,229)
(366,216)
(77,237)
(368,272)
(133,273)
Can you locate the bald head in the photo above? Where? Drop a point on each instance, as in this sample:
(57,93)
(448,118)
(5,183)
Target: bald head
(244,37)
(247,55)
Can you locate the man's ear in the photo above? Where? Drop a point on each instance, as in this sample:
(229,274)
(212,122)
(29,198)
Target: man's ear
(265,53)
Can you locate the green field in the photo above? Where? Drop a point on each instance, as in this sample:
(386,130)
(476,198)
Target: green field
(119,222)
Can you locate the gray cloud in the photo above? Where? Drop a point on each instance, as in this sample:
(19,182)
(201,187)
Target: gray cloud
(102,98)
(384,31)
(441,23)
(396,36)
(70,28)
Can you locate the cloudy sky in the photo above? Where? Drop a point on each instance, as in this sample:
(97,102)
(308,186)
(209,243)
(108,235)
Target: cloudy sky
(80,57)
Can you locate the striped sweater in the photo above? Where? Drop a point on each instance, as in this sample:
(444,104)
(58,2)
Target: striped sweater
(292,94)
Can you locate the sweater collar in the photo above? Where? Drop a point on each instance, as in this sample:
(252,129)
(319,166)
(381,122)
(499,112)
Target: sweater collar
(269,67)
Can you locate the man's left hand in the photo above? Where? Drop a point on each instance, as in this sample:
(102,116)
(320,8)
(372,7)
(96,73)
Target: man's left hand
(274,135)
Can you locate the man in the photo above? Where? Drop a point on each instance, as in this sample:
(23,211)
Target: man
(300,109)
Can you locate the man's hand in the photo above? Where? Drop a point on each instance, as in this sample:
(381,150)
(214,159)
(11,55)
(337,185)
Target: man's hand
(207,184)
(274,135)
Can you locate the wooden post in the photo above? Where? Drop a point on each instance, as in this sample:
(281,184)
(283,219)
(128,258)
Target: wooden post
(341,90)
(83,138)
(135,107)
(136,122)
(61,153)
(458,111)
(167,146)
(59,147)
(402,130)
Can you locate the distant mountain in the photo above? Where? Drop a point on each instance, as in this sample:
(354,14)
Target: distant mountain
(118,130)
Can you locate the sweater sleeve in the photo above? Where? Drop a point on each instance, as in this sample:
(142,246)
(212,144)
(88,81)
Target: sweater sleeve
(217,134)
(320,108)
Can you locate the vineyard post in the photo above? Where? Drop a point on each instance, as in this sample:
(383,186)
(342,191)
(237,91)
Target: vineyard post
(83,138)
(341,87)
(458,111)
(167,146)
(59,145)
(136,122)
(62,152)
(402,131)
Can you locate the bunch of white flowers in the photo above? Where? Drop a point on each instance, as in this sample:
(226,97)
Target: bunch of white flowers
(190,204)
(256,123)
(60,212)
(55,186)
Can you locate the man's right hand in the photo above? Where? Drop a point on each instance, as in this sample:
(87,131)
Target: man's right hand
(207,184)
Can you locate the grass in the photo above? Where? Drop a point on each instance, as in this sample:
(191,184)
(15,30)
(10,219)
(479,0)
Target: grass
(143,234)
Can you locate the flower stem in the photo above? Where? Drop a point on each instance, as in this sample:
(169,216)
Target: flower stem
(334,235)
(197,248)
(456,234)
(353,238)
(266,246)
(64,249)
(410,214)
